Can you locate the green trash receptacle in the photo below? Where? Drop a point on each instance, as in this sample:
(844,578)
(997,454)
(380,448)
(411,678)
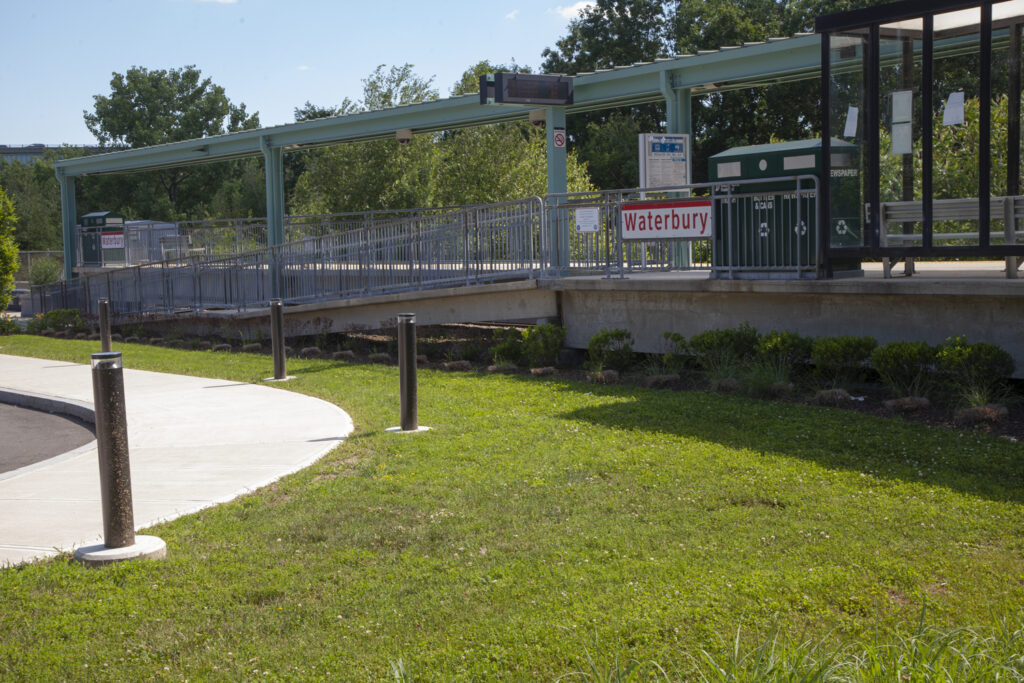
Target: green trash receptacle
(102,238)
(766,230)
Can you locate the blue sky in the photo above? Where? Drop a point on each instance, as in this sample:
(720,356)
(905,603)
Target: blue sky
(271,55)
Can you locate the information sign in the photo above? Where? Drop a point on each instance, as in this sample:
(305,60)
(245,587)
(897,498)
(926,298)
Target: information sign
(664,160)
(587,218)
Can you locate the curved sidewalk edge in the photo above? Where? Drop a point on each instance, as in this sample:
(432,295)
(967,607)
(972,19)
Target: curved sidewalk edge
(193,442)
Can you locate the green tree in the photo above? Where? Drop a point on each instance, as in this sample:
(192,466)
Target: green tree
(611,33)
(34,191)
(8,249)
(618,33)
(152,107)
(479,165)
(495,163)
(369,175)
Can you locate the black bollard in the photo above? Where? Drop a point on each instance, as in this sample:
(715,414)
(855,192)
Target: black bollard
(407,370)
(104,309)
(277,338)
(112,441)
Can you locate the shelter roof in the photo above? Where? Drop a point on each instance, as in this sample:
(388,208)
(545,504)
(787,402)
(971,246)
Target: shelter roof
(752,64)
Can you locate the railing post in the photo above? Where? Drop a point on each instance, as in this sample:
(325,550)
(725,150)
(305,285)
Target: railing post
(104,311)
(407,371)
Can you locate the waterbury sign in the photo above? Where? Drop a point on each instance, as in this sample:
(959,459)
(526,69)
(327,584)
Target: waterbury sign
(686,219)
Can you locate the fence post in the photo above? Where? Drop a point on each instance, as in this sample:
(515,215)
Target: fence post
(119,539)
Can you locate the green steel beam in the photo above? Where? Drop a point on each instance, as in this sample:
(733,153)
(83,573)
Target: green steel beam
(554,118)
(68,222)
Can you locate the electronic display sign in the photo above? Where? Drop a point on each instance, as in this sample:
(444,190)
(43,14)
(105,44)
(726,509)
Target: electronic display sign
(536,89)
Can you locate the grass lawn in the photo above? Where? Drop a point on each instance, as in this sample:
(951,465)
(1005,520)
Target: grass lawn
(546,527)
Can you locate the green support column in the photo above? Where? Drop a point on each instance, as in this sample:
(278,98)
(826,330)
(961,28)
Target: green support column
(679,119)
(273,170)
(558,230)
(69,220)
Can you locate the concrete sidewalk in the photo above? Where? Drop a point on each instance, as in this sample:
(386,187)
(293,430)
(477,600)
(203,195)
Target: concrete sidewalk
(193,441)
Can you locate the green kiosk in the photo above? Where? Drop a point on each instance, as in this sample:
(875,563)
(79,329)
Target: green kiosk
(770,230)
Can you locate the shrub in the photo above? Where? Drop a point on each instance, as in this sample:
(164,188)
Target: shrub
(8,249)
(678,356)
(787,349)
(976,369)
(8,326)
(611,349)
(508,347)
(542,343)
(715,347)
(58,319)
(842,359)
(45,271)
(906,367)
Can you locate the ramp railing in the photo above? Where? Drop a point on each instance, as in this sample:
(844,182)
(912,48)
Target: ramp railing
(603,250)
(387,252)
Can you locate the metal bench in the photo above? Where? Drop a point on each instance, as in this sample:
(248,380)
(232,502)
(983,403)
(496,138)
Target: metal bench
(1010,209)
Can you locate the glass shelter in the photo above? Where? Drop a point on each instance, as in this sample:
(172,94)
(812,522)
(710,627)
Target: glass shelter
(930,92)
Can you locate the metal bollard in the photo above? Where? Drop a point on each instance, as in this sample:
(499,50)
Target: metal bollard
(112,440)
(407,370)
(104,309)
(277,338)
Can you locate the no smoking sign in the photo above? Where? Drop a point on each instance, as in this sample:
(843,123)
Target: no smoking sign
(559,137)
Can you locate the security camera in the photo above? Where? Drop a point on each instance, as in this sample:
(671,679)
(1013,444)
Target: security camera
(538,118)
(404,136)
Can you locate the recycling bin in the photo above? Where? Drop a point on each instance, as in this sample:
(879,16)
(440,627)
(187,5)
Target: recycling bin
(769,229)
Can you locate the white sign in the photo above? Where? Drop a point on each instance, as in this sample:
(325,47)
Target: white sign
(670,220)
(587,219)
(664,160)
(559,138)
(953,114)
(850,129)
(112,240)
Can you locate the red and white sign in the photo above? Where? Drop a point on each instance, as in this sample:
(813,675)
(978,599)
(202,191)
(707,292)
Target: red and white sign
(668,220)
(559,137)
(112,240)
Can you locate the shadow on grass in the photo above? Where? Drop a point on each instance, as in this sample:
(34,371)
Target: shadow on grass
(963,461)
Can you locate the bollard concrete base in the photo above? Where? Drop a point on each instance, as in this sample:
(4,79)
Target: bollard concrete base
(148,547)
(399,430)
(274,379)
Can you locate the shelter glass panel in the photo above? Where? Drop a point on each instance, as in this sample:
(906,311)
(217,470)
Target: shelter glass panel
(955,110)
(848,60)
(900,131)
